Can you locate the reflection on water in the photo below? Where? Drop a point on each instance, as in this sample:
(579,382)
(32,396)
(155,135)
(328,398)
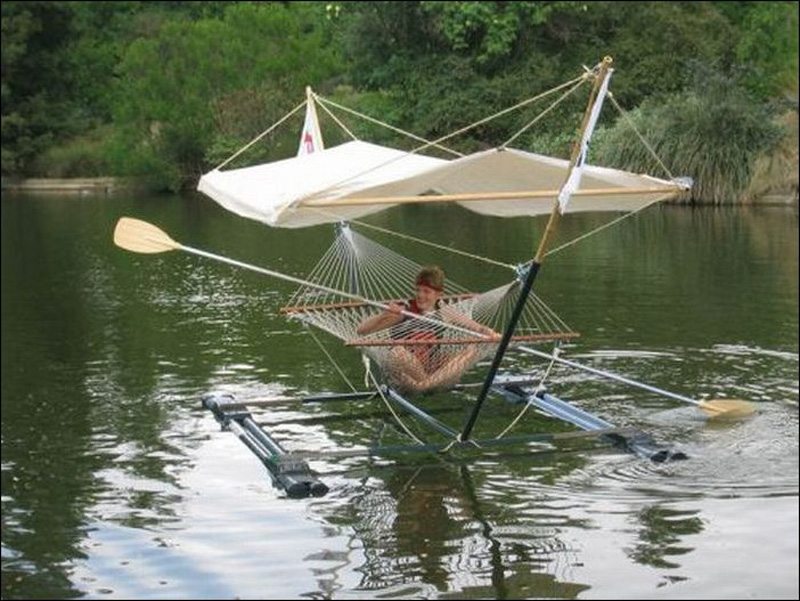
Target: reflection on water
(429,521)
(662,530)
(116,483)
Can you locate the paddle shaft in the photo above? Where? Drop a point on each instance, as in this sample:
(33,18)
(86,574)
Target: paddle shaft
(610,376)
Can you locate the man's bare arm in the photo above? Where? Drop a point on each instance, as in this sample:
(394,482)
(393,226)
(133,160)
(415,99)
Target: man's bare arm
(457,317)
(387,319)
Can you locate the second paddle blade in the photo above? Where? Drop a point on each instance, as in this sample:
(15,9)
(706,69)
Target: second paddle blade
(727,408)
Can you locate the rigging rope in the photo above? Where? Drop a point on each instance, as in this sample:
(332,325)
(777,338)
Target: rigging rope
(323,101)
(330,358)
(536,119)
(503,112)
(630,122)
(539,388)
(334,117)
(602,227)
(422,241)
(259,136)
(386,402)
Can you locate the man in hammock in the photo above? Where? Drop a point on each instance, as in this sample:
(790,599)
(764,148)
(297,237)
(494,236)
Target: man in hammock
(414,364)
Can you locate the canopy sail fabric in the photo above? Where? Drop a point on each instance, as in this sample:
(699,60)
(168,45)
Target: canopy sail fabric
(357,178)
(509,183)
(273,192)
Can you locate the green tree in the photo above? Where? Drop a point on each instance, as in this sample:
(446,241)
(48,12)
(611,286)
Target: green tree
(768,47)
(35,80)
(447,64)
(167,89)
(175,85)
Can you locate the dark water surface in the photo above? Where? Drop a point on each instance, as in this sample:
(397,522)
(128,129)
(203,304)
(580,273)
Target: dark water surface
(116,483)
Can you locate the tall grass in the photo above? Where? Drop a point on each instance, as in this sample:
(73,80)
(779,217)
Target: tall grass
(775,173)
(713,133)
(82,156)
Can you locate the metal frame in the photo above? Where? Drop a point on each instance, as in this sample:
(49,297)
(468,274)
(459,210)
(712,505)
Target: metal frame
(290,471)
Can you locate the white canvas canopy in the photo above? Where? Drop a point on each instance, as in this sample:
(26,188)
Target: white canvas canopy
(273,192)
(358,178)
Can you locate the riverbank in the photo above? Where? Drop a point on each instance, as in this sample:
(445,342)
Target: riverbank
(772,199)
(106,186)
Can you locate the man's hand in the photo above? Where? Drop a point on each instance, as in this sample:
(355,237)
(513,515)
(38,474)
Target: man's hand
(396,308)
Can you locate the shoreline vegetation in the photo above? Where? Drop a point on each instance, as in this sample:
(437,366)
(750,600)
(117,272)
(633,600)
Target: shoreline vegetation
(107,186)
(129,91)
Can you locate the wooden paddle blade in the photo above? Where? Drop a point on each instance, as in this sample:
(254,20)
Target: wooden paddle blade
(728,408)
(139,236)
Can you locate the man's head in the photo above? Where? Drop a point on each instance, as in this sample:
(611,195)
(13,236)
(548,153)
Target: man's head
(430,285)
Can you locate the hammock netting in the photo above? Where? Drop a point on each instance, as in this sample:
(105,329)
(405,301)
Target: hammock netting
(419,353)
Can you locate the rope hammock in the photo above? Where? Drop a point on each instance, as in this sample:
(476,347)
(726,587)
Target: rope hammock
(422,352)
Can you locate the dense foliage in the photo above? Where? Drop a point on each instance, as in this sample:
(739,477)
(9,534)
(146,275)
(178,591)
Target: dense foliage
(711,132)
(166,90)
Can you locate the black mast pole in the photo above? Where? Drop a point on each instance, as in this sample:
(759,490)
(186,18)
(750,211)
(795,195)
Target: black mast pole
(533,270)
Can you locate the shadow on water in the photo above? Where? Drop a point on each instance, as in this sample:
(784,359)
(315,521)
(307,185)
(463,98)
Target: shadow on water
(116,483)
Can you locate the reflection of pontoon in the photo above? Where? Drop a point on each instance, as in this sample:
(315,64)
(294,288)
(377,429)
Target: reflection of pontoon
(358,277)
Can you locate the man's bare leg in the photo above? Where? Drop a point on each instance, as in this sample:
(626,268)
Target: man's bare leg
(406,370)
(451,372)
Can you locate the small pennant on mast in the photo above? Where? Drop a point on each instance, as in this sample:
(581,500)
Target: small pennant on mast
(311,136)
(574,179)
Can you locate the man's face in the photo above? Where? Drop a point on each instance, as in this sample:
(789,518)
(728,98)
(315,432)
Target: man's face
(427,297)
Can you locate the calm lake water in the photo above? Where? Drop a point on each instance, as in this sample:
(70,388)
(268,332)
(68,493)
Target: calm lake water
(117,484)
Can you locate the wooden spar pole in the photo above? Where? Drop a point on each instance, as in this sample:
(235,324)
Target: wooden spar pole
(483,196)
(603,72)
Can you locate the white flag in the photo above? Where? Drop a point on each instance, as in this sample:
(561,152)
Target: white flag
(574,179)
(311,136)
